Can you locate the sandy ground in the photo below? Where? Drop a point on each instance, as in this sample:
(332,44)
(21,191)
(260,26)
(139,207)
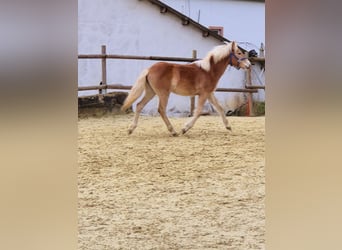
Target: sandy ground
(201,190)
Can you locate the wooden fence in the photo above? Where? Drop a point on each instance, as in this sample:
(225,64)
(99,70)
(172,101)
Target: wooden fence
(103,86)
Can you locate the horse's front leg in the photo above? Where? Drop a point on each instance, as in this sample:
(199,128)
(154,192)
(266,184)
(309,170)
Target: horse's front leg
(190,124)
(212,99)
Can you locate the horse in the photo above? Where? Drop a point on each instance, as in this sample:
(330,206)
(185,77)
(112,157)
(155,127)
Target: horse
(197,78)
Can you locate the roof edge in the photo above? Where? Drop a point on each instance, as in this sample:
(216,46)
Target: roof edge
(206,32)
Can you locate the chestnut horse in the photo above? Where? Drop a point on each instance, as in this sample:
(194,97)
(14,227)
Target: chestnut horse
(197,78)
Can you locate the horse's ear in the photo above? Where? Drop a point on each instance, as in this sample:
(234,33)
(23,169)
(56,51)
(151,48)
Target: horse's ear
(233,46)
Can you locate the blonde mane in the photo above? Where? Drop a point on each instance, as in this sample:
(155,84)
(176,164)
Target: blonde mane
(218,53)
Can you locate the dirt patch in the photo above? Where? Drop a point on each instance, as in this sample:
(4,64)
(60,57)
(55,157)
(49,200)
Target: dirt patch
(201,190)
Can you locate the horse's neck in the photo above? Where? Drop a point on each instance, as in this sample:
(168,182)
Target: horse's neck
(217,69)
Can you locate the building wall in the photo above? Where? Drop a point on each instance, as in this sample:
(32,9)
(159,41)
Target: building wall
(243,21)
(132,27)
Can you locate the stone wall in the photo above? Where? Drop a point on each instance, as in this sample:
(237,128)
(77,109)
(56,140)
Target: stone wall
(101,104)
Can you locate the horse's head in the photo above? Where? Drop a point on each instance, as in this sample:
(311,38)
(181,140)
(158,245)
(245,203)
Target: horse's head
(237,57)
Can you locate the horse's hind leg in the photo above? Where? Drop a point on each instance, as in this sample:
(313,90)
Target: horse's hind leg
(149,94)
(163,99)
(201,101)
(212,99)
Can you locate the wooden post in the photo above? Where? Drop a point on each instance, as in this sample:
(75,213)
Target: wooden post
(249,109)
(192,99)
(104,70)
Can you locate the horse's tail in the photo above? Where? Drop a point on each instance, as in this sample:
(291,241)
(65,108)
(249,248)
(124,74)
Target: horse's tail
(136,91)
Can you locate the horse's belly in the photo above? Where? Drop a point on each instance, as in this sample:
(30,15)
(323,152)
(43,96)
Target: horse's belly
(184,91)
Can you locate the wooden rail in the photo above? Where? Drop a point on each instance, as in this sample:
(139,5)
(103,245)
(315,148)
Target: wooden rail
(150,58)
(255,86)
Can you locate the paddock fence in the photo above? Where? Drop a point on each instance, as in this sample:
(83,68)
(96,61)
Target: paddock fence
(249,88)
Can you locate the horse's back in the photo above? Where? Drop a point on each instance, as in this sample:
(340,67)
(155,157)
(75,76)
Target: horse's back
(181,79)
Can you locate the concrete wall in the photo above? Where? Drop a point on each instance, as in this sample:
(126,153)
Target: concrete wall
(133,27)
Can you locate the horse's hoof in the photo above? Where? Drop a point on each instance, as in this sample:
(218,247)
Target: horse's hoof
(174,134)
(130,131)
(184,131)
(229,128)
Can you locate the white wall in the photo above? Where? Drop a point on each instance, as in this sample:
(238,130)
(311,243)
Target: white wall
(243,21)
(133,27)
